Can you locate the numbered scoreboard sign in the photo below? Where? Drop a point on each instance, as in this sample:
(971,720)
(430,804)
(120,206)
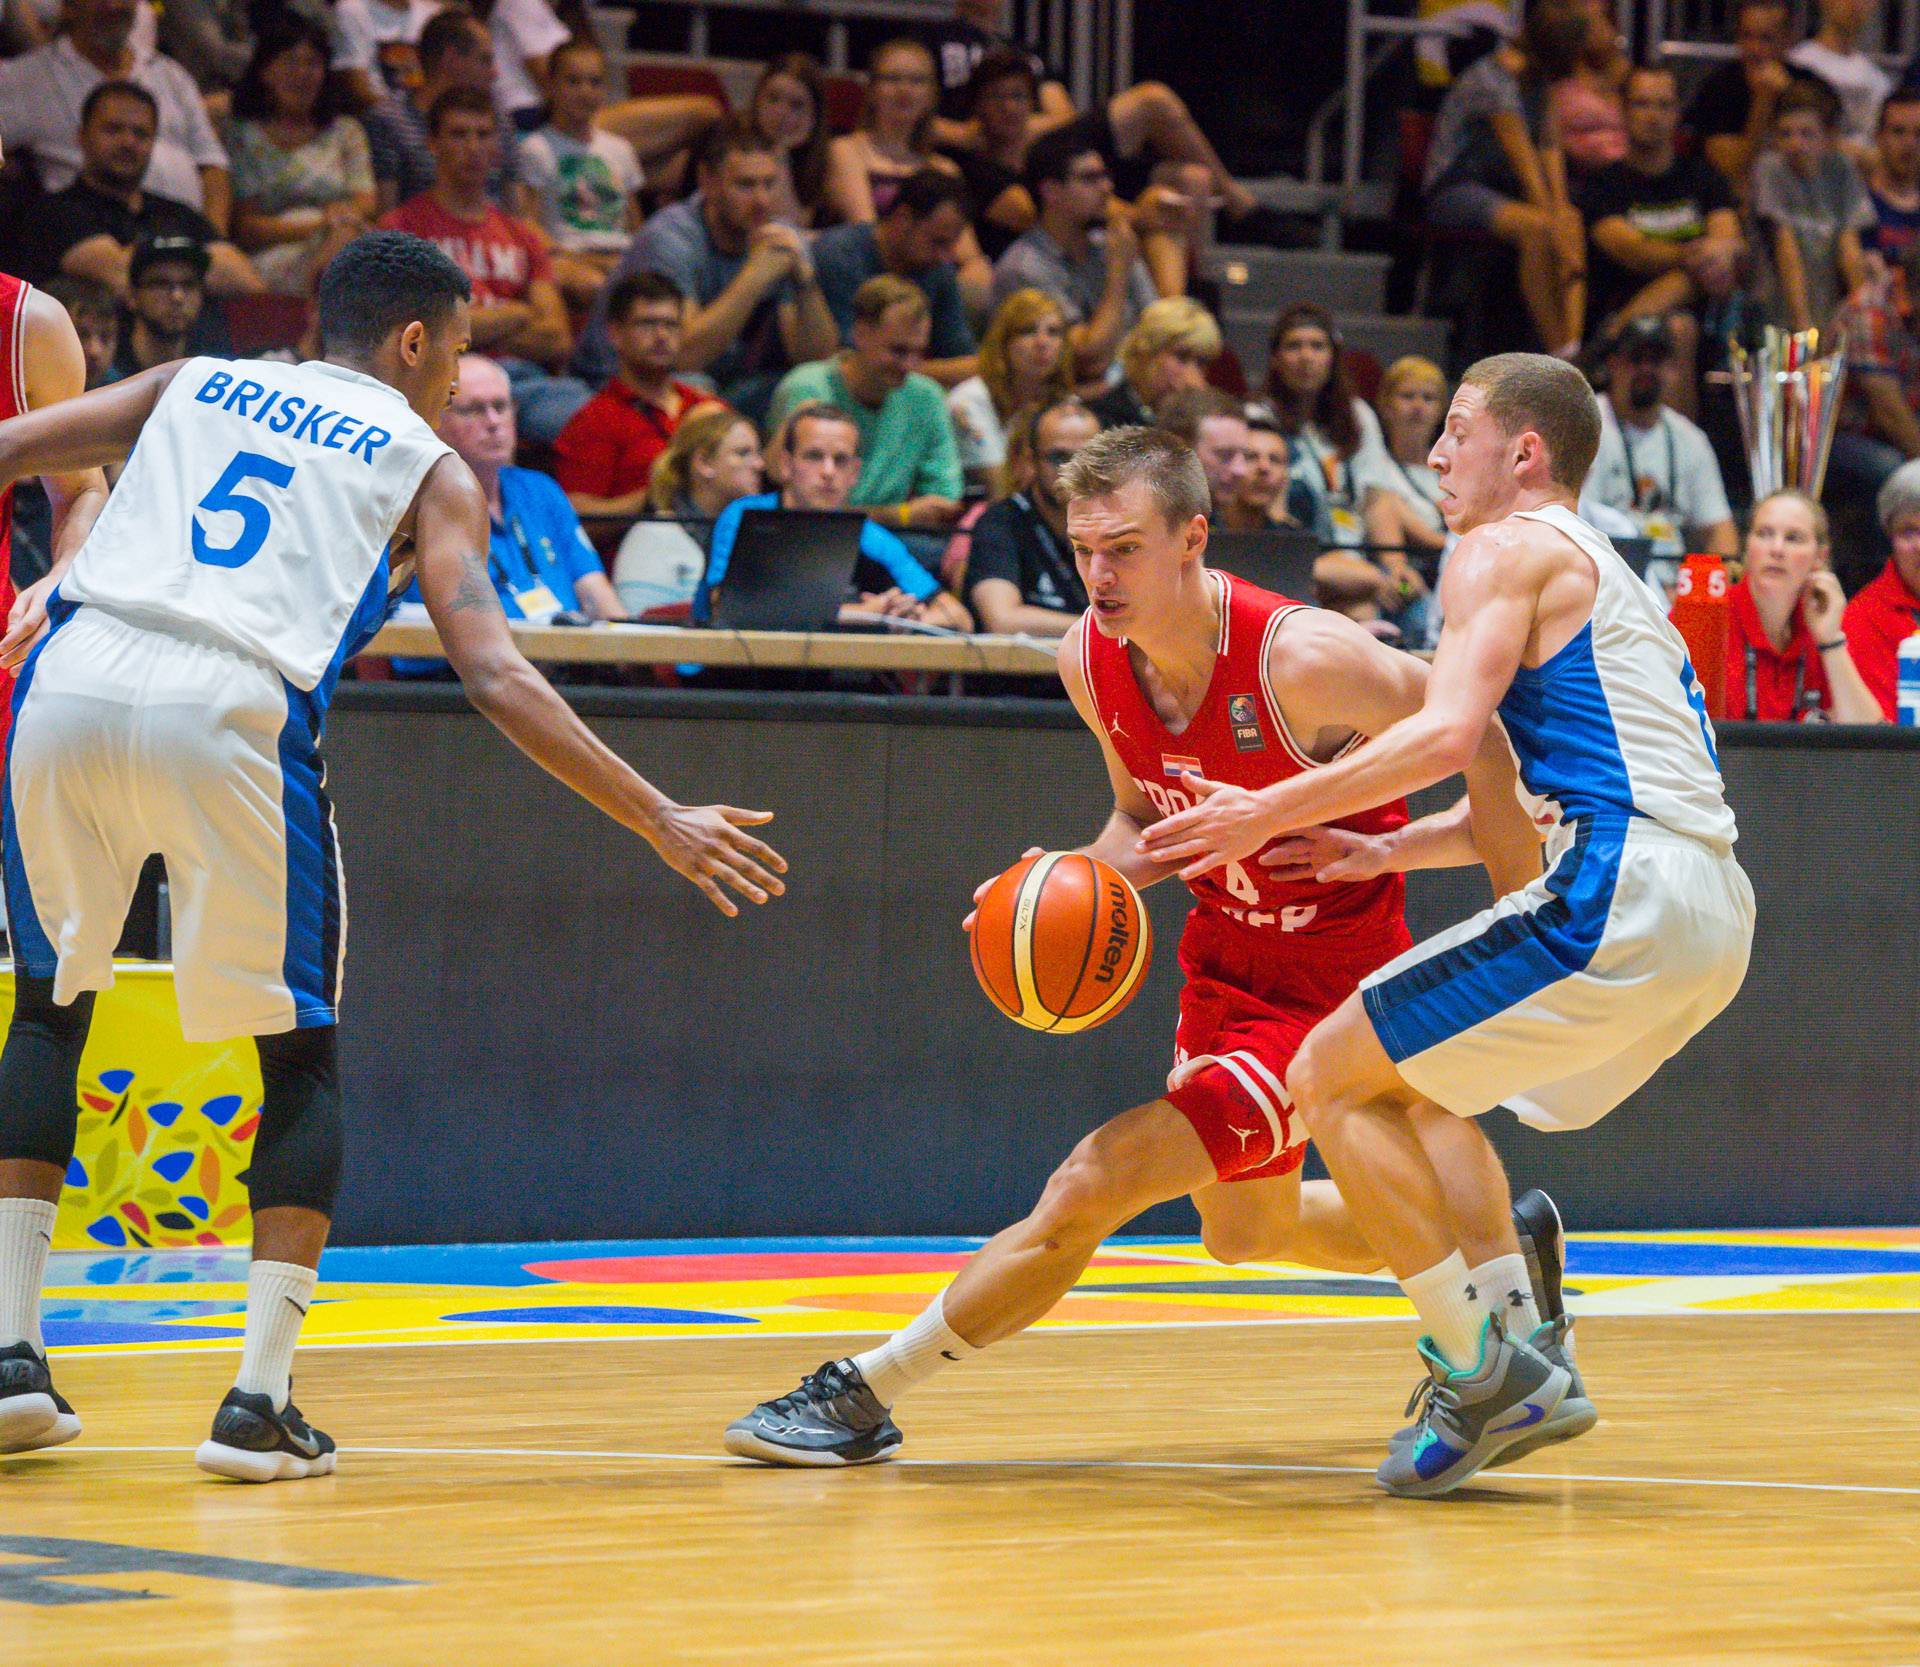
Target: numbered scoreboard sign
(166,1125)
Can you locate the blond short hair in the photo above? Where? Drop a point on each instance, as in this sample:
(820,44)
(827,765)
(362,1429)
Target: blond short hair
(1409,369)
(1164,462)
(1173,321)
(1547,395)
(878,296)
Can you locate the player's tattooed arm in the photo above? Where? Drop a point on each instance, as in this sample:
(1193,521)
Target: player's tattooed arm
(475,589)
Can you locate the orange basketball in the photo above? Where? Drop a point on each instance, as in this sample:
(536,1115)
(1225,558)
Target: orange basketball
(1060,942)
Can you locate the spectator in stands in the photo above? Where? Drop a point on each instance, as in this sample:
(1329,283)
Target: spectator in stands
(1399,493)
(990,146)
(1787,655)
(1082,251)
(1885,612)
(1893,183)
(757,308)
(525,34)
(1325,423)
(89,229)
(918,238)
(866,168)
(456,51)
(1653,464)
(1493,166)
(910,470)
(1587,109)
(1023,362)
(605,454)
(1812,206)
(577,182)
(43,96)
(166,290)
(1214,423)
(714,458)
(1271,497)
(789,110)
(96,320)
(302,178)
(1731,116)
(1665,232)
(817,450)
(1166,352)
(518,316)
(212,40)
(1880,413)
(978,29)
(1834,55)
(1020,574)
(377,46)
(540,558)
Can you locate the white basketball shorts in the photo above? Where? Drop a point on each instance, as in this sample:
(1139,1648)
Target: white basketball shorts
(127,741)
(1565,997)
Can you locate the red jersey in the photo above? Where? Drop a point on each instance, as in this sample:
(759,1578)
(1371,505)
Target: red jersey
(1882,615)
(1239,736)
(13,401)
(500,255)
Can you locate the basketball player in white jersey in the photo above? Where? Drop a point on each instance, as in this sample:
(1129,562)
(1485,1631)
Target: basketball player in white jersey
(174,703)
(1566,995)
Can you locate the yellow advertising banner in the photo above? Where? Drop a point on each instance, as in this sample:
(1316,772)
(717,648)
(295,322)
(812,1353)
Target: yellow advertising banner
(166,1125)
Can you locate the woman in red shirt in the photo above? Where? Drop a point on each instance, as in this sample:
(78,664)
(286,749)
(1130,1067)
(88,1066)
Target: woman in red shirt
(1886,612)
(1787,660)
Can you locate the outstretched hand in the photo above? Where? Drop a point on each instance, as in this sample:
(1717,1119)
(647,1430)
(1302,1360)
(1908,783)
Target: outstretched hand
(706,844)
(25,622)
(981,889)
(1226,824)
(1326,854)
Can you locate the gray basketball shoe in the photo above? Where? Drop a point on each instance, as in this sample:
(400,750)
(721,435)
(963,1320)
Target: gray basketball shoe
(833,1418)
(1575,1415)
(1471,1416)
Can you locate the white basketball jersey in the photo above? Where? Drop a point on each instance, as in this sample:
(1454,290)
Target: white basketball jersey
(1616,720)
(258,506)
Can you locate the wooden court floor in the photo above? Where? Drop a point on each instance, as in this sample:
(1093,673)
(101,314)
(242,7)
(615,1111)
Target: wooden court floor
(1106,1497)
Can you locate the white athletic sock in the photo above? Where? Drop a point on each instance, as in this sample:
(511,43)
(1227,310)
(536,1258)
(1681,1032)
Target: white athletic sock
(26,1235)
(912,1356)
(278,1296)
(1501,1286)
(1452,1319)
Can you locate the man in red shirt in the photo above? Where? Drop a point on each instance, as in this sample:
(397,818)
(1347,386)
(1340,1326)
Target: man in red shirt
(518,316)
(1787,659)
(605,455)
(1887,611)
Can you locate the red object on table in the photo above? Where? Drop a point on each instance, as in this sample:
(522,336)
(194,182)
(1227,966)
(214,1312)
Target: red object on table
(1701,614)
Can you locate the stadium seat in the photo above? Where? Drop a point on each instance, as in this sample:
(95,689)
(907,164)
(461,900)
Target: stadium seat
(662,80)
(845,95)
(258,324)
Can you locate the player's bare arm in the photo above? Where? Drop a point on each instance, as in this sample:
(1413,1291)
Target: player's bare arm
(1491,592)
(1118,843)
(706,843)
(68,440)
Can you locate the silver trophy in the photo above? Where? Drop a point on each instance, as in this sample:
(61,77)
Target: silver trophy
(1788,395)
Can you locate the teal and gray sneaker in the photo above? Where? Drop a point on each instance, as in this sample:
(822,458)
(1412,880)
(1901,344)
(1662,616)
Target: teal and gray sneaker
(833,1418)
(1470,1416)
(1575,1415)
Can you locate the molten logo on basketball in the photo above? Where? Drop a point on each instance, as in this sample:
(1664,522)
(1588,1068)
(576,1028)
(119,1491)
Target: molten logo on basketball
(1119,933)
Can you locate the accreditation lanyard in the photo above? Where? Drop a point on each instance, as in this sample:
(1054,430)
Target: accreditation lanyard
(532,593)
(1804,703)
(1334,470)
(1060,566)
(1414,486)
(1633,469)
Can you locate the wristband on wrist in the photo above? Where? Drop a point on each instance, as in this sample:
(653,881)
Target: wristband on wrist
(1829,647)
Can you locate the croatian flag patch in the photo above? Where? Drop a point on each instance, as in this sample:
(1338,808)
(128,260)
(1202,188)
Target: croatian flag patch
(1172,764)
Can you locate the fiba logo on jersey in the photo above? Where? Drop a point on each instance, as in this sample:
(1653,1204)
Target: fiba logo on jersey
(1244,716)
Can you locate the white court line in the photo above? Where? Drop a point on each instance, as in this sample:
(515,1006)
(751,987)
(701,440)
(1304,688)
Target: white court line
(1072,1464)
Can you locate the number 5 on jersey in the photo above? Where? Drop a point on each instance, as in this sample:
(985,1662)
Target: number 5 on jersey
(256,519)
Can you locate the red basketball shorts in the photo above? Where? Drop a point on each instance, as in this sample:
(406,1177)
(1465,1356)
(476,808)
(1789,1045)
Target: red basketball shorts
(1252,994)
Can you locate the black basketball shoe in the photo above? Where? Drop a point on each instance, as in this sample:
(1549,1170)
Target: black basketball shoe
(33,1414)
(253,1443)
(832,1418)
(1543,1241)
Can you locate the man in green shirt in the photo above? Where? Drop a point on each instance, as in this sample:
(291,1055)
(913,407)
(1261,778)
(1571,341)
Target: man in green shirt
(910,474)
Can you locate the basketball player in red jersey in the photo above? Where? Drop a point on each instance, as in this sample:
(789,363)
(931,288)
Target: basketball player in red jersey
(41,363)
(1184,673)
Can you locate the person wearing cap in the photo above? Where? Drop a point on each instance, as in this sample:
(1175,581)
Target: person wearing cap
(89,229)
(1653,464)
(166,292)
(1885,612)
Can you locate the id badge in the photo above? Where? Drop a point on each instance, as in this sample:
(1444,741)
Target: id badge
(1663,530)
(537,603)
(1346,526)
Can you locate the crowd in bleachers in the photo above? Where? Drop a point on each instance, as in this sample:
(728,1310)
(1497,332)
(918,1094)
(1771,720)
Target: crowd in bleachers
(915,294)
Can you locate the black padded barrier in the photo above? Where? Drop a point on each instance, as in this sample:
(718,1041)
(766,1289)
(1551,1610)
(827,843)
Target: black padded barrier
(548,1035)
